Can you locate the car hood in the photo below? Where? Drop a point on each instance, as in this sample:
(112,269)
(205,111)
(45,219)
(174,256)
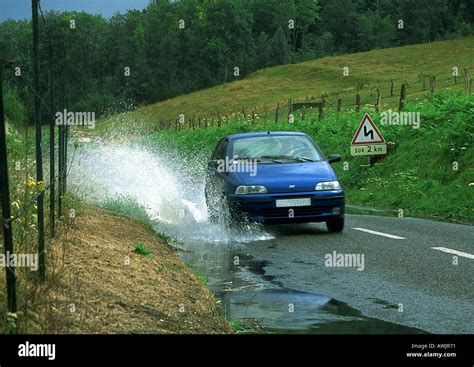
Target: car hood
(279,177)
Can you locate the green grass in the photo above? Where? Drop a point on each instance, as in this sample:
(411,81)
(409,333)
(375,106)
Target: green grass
(265,88)
(200,274)
(417,173)
(140,248)
(238,328)
(129,207)
(165,237)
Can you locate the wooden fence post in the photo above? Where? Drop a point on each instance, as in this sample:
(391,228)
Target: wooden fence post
(432,84)
(339,105)
(276,112)
(379,100)
(321,108)
(465,74)
(403,91)
(391,88)
(357,105)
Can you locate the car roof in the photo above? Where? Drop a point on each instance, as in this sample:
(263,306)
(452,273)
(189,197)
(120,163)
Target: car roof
(263,133)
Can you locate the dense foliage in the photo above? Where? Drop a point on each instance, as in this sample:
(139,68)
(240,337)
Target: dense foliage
(167,57)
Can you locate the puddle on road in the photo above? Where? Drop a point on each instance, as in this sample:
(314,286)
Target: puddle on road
(261,304)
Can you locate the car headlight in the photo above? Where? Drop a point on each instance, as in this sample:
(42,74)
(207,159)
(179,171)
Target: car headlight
(328,185)
(253,189)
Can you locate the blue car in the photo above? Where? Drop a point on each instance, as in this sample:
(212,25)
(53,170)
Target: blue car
(274,177)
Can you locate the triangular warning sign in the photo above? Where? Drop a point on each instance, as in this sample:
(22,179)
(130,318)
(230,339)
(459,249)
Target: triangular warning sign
(367,133)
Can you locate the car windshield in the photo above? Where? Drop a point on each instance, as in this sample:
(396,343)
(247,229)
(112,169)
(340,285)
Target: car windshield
(276,148)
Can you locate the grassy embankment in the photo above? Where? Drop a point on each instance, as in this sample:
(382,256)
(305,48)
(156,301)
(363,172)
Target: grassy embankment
(267,87)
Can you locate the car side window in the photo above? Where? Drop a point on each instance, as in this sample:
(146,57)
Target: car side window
(221,151)
(217,150)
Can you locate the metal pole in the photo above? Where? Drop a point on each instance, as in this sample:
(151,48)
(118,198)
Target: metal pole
(60,170)
(39,155)
(66,133)
(6,210)
(52,168)
(60,152)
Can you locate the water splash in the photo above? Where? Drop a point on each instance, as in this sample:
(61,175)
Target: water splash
(169,187)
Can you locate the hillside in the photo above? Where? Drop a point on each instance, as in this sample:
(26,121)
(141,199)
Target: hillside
(367,71)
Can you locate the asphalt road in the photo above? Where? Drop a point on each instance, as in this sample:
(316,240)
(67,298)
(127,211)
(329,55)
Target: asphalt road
(404,279)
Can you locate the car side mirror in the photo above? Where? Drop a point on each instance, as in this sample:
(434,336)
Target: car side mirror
(333,158)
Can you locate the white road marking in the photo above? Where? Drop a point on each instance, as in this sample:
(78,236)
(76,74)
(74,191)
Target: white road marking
(454,252)
(380,233)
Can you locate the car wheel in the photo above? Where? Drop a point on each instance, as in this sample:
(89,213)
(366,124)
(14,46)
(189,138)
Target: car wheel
(335,224)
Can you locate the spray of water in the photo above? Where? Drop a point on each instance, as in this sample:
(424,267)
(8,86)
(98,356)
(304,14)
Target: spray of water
(169,187)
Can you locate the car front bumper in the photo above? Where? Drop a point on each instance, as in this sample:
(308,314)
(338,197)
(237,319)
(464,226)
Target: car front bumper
(262,207)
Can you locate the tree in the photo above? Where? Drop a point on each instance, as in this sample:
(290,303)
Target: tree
(425,22)
(306,13)
(279,52)
(263,51)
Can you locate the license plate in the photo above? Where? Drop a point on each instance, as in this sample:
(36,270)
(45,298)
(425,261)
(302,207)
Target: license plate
(284,203)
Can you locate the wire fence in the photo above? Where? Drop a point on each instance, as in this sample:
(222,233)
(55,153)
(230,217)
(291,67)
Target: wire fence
(378,95)
(57,172)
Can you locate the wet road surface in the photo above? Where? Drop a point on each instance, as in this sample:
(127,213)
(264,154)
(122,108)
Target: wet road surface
(409,280)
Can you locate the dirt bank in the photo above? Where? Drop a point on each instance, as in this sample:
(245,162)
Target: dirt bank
(106,287)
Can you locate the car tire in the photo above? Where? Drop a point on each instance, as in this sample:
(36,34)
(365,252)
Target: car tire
(335,225)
